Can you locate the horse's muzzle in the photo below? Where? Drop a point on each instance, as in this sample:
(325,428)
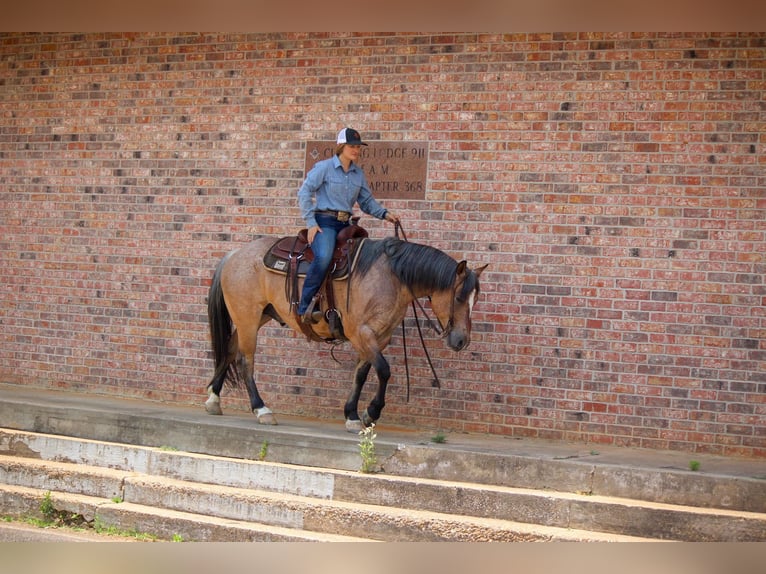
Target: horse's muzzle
(457,341)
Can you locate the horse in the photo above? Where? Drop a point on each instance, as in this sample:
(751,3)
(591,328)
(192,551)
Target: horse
(389,274)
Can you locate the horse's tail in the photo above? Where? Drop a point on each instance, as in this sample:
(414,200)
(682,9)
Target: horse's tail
(221,329)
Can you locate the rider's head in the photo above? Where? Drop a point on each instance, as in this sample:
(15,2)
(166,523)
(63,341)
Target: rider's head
(347,136)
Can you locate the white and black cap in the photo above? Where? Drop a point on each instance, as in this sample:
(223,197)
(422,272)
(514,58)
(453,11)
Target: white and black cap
(350,136)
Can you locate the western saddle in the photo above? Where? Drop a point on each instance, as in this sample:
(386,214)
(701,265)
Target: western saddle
(291,257)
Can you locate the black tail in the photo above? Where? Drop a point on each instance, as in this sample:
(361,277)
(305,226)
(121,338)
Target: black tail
(221,329)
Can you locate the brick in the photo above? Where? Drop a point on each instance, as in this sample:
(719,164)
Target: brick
(625,236)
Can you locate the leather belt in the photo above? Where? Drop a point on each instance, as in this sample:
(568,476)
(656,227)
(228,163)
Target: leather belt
(342,216)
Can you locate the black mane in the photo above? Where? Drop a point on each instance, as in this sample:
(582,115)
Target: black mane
(420,267)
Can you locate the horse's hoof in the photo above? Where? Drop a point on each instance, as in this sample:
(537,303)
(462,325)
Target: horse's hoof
(213,406)
(265,416)
(268,419)
(354,426)
(367,420)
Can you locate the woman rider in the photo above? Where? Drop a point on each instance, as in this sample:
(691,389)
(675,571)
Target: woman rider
(326,200)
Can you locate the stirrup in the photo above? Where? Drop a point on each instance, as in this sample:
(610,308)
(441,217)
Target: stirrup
(312,315)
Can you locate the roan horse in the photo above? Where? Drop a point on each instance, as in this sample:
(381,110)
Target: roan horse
(389,275)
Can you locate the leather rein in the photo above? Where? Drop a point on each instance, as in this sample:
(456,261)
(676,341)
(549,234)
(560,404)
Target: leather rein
(440,330)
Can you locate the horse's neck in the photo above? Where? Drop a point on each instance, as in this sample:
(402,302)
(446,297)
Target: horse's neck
(419,293)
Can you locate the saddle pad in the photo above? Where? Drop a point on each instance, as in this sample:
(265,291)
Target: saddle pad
(278,256)
(277,259)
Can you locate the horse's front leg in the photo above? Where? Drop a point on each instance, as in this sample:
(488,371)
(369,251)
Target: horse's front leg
(383,370)
(351,409)
(370,355)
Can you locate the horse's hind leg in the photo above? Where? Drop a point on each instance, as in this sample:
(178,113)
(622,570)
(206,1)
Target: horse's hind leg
(213,403)
(247,345)
(351,409)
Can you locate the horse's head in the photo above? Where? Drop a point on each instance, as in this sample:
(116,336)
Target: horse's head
(453,307)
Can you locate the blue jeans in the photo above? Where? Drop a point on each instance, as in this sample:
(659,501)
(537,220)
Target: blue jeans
(323,247)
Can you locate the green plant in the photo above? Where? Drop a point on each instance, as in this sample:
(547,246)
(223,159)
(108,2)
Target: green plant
(264,450)
(47,509)
(178,538)
(51,516)
(108,530)
(694,465)
(439,438)
(54,518)
(116,499)
(367,449)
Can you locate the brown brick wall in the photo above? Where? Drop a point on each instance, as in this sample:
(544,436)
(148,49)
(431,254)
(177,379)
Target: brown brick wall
(615,183)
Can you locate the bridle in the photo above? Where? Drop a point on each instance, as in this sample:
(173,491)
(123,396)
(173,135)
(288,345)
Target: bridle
(441,330)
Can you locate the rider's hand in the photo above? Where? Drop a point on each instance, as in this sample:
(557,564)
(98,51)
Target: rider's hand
(313,232)
(392,217)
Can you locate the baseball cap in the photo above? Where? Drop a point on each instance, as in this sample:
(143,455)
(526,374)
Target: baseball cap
(349,136)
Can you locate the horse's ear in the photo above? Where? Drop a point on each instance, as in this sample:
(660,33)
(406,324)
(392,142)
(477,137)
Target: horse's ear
(461,267)
(478,270)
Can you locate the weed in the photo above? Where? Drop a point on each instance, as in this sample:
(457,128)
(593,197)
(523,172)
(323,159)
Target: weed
(55,518)
(694,465)
(116,499)
(51,516)
(178,538)
(47,509)
(264,450)
(101,528)
(367,449)
(168,448)
(439,438)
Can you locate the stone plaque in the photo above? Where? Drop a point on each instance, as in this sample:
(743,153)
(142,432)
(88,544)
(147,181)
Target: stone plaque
(394,170)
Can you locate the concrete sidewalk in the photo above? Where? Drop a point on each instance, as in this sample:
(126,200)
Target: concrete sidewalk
(658,476)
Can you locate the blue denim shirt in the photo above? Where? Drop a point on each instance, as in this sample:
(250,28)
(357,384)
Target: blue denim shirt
(327,186)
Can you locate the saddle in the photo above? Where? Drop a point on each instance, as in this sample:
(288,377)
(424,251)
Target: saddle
(291,256)
(287,251)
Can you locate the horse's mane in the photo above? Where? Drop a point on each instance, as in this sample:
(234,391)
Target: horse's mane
(420,267)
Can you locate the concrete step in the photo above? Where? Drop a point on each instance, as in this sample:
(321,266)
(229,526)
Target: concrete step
(147,498)
(624,473)
(160,522)
(114,469)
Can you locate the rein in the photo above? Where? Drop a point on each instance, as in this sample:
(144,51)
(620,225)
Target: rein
(442,331)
